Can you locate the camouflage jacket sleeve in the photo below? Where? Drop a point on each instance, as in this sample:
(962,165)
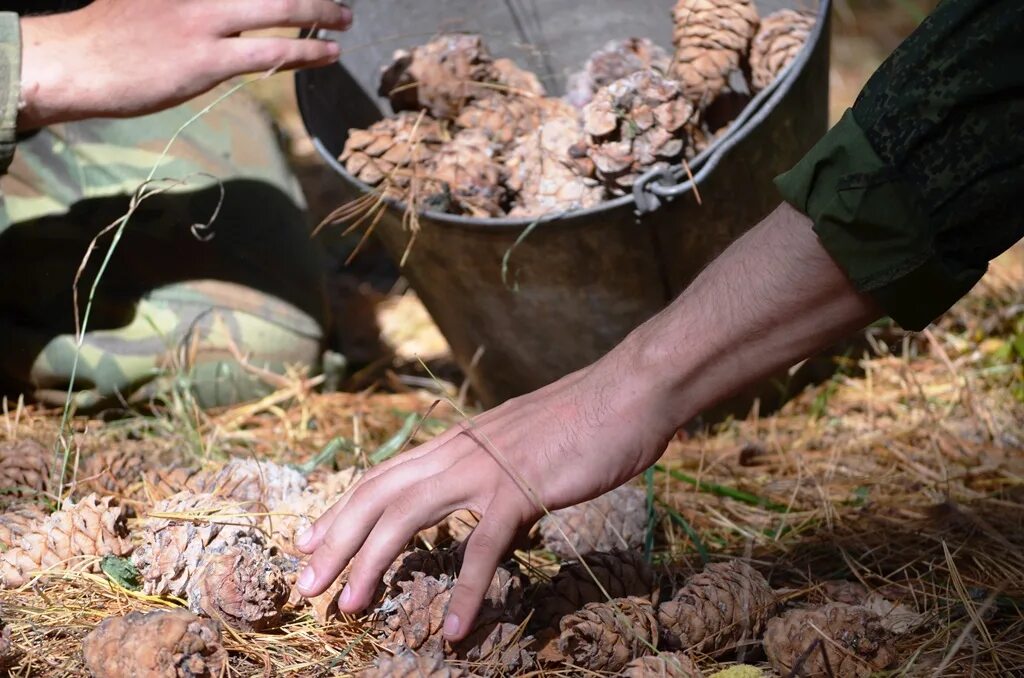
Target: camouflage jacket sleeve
(921,183)
(10,85)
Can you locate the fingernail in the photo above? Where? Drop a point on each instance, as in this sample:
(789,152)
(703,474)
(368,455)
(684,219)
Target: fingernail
(302,541)
(451,625)
(307,579)
(346,14)
(333,49)
(346,594)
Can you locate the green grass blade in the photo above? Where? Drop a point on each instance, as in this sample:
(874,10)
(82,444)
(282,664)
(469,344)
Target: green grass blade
(698,543)
(723,490)
(395,443)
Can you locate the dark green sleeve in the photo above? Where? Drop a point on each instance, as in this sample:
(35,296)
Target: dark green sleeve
(921,183)
(10,85)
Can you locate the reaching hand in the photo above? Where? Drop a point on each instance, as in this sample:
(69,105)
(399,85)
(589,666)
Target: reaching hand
(561,445)
(120,58)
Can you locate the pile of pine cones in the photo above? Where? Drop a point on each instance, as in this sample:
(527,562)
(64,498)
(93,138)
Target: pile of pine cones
(479,136)
(219,540)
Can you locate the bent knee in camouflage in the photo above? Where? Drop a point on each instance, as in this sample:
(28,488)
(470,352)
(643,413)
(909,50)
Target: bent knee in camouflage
(215,264)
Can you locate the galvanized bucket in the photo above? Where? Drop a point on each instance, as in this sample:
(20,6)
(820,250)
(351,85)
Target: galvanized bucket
(521,302)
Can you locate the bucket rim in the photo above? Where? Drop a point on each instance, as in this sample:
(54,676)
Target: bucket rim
(749,118)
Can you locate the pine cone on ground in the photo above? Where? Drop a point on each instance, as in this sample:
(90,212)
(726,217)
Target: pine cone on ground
(665,665)
(504,119)
(112,471)
(454,529)
(26,466)
(179,531)
(719,608)
(620,574)
(288,519)
(779,39)
(394,149)
(712,38)
(332,484)
(411,665)
(616,60)
(855,642)
(161,644)
(433,563)
(470,178)
(501,649)
(240,586)
(607,636)
(18,521)
(546,173)
(69,539)
(614,521)
(9,653)
(636,124)
(257,485)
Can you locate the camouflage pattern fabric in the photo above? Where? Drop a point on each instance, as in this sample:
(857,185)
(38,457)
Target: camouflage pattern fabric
(917,188)
(216,264)
(10,86)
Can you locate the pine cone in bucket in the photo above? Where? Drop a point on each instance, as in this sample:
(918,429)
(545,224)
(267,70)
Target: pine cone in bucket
(614,61)
(636,124)
(712,38)
(393,150)
(781,37)
(464,171)
(505,119)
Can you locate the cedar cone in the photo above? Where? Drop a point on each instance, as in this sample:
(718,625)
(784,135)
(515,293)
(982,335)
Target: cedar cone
(69,539)
(18,521)
(504,119)
(240,586)
(501,649)
(616,60)
(779,39)
(433,563)
(332,484)
(607,636)
(852,637)
(665,665)
(456,528)
(616,520)
(712,38)
(545,174)
(25,466)
(620,574)
(410,665)
(394,150)
(639,123)
(726,604)
(161,644)
(465,172)
(256,485)
(447,73)
(112,471)
(288,519)
(173,546)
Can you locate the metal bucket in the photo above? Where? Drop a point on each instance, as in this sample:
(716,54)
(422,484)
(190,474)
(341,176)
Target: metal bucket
(521,302)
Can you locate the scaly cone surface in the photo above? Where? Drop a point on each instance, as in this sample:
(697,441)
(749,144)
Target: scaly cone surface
(665,665)
(161,644)
(616,60)
(717,609)
(712,38)
(853,638)
(779,39)
(411,665)
(607,636)
(18,521)
(614,521)
(501,649)
(636,124)
(179,530)
(26,466)
(116,471)
(239,585)
(69,539)
(394,149)
(505,119)
(9,653)
(469,175)
(620,574)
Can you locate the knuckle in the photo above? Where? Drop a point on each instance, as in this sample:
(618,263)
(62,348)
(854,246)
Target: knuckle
(280,10)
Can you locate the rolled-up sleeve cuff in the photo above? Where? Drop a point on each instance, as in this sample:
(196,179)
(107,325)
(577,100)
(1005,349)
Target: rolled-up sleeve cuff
(870,221)
(10,85)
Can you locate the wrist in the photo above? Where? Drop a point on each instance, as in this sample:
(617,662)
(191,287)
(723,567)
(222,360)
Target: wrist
(48,89)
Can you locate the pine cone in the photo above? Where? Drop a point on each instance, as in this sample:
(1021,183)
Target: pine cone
(179,531)
(290,518)
(332,484)
(161,644)
(410,665)
(69,539)
(726,604)
(504,119)
(636,124)
(240,586)
(433,563)
(607,636)
(621,574)
(163,483)
(26,466)
(854,641)
(779,39)
(515,81)
(393,149)
(712,37)
(454,529)
(112,471)
(10,655)
(616,520)
(501,649)
(548,175)
(257,485)
(18,521)
(440,76)
(665,665)
(469,176)
(614,61)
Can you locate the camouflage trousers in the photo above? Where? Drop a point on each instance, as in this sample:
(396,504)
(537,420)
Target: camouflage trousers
(214,281)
